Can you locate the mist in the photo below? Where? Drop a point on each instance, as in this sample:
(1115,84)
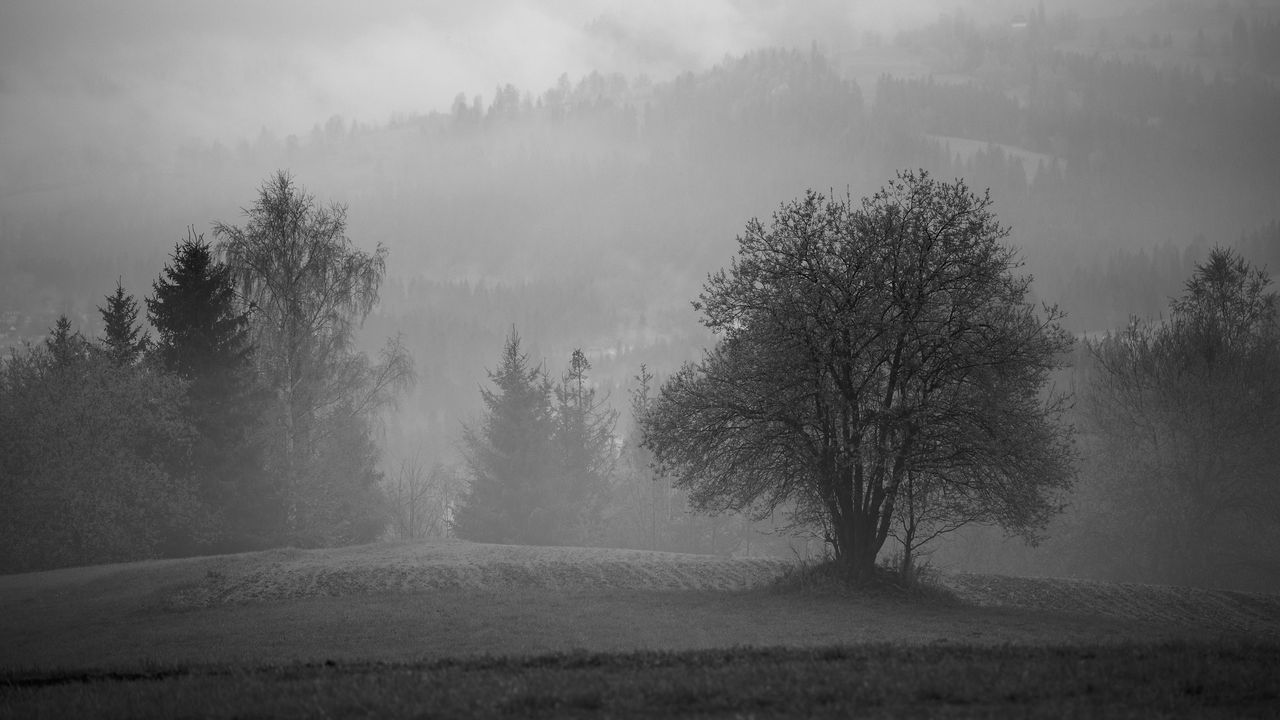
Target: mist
(575,169)
(138,79)
(149,75)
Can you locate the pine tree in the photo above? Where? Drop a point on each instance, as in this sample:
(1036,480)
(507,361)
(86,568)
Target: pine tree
(510,457)
(203,329)
(124,342)
(65,345)
(585,443)
(204,338)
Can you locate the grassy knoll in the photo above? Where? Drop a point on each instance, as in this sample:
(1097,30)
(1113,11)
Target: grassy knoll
(1124,680)
(392,630)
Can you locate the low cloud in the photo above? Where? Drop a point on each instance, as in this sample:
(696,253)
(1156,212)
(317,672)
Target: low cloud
(137,78)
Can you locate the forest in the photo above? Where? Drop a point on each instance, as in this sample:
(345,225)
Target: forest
(1133,158)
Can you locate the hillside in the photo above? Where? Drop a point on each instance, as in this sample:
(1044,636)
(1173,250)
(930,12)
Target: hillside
(456,565)
(390,569)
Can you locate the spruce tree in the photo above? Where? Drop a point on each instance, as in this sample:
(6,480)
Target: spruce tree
(203,328)
(510,457)
(65,345)
(584,442)
(203,337)
(124,341)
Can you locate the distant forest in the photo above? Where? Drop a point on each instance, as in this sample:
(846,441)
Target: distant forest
(587,215)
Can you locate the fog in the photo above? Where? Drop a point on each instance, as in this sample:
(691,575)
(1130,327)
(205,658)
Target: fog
(148,76)
(151,74)
(575,169)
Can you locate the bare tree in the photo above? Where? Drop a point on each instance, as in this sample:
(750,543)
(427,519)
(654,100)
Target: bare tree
(1184,416)
(309,288)
(927,510)
(861,346)
(422,499)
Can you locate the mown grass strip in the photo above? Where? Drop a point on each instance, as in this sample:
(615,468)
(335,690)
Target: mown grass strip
(1227,679)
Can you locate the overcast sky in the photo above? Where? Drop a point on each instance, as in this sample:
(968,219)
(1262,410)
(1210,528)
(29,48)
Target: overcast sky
(165,71)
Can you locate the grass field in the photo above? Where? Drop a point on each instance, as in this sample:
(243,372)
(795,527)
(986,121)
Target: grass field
(459,629)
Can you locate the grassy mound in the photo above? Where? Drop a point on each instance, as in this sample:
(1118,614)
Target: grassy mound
(293,574)
(409,601)
(408,568)
(415,567)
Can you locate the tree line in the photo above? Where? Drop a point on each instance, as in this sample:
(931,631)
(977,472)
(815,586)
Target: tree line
(246,422)
(547,464)
(880,372)
(882,377)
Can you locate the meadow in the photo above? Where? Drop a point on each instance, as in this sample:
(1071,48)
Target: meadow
(457,629)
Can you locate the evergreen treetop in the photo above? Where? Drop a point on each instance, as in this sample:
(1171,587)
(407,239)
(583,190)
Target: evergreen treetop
(203,329)
(509,455)
(124,341)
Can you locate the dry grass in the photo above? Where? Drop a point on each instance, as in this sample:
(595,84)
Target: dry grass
(456,565)
(403,567)
(407,601)
(1121,681)
(1251,614)
(407,629)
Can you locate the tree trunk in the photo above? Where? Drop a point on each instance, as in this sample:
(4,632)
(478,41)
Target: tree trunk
(856,546)
(290,470)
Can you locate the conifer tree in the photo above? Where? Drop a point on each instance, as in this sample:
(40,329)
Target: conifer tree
(204,338)
(584,438)
(510,457)
(64,344)
(124,342)
(203,328)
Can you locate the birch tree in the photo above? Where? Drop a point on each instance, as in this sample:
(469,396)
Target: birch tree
(309,289)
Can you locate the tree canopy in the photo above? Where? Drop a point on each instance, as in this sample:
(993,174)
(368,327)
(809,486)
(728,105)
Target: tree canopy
(204,339)
(540,470)
(86,453)
(509,455)
(1183,419)
(124,340)
(310,288)
(862,346)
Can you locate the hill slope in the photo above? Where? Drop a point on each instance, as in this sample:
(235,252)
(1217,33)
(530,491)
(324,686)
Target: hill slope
(398,568)
(403,602)
(402,567)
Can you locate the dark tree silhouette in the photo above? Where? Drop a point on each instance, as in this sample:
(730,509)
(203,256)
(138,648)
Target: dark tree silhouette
(203,337)
(510,456)
(85,447)
(1184,417)
(203,326)
(862,345)
(311,288)
(65,346)
(124,340)
(584,439)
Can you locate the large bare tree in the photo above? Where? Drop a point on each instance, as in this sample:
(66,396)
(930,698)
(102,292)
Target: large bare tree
(861,346)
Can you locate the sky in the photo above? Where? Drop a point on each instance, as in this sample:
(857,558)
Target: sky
(159,73)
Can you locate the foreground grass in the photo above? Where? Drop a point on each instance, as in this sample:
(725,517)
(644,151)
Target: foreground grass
(76,632)
(1116,680)
(458,630)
